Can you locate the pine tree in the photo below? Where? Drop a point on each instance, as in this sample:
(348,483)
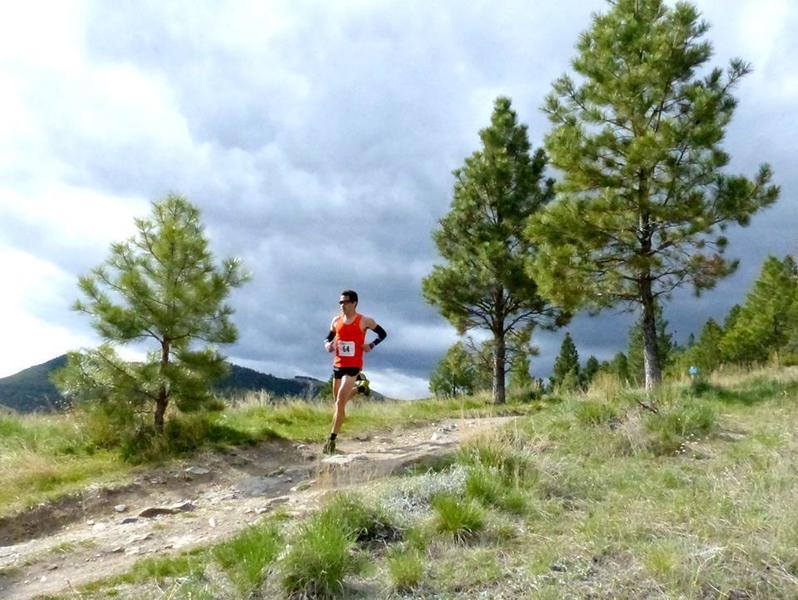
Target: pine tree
(455,374)
(705,353)
(589,372)
(520,350)
(566,366)
(483,284)
(160,286)
(635,353)
(644,198)
(765,321)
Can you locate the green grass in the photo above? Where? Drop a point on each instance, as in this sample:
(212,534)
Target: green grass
(246,555)
(45,457)
(320,555)
(406,568)
(460,519)
(561,505)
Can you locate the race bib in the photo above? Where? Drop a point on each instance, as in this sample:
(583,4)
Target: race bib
(346,348)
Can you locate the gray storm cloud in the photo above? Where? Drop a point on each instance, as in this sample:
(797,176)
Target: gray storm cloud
(319,139)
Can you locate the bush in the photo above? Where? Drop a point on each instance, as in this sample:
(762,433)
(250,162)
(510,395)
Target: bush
(589,412)
(681,423)
(365,523)
(245,556)
(320,556)
(405,567)
(514,465)
(460,519)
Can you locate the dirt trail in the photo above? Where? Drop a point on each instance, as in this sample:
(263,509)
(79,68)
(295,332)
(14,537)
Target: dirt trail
(102,532)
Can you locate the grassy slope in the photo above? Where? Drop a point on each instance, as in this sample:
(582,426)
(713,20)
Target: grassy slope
(589,498)
(44,457)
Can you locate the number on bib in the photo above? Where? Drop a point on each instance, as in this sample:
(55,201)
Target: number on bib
(346,348)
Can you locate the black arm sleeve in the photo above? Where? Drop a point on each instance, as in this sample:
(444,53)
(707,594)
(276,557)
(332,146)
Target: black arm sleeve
(381,335)
(330,336)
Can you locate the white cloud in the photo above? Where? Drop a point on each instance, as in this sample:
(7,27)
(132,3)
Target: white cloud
(27,338)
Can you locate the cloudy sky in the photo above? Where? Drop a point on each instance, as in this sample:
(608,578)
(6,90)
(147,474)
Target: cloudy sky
(318,138)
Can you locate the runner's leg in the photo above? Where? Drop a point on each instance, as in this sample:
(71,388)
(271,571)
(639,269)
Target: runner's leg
(344,392)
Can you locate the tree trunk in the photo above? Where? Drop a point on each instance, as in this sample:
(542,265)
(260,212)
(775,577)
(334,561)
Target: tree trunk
(498,370)
(649,327)
(163,396)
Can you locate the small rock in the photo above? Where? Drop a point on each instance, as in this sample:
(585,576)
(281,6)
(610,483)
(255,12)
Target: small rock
(184,506)
(127,520)
(196,471)
(303,485)
(43,578)
(52,567)
(212,522)
(120,508)
(559,567)
(90,522)
(436,436)
(364,437)
(154,511)
(133,551)
(117,550)
(301,446)
(99,527)
(275,502)
(140,538)
(249,511)
(276,472)
(289,479)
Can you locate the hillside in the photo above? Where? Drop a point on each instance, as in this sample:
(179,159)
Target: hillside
(30,390)
(591,496)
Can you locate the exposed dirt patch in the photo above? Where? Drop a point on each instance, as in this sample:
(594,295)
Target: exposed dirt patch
(88,536)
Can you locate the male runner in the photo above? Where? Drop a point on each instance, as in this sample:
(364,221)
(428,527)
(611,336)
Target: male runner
(347,338)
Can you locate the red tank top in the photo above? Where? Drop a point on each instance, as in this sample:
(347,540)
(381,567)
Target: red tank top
(349,338)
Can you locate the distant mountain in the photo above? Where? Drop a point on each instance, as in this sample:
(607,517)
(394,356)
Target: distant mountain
(30,390)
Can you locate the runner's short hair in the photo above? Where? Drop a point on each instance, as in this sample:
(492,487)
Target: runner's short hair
(351,294)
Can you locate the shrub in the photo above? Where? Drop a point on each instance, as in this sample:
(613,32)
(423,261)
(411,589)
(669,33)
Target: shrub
(514,465)
(456,517)
(680,423)
(594,413)
(405,567)
(320,556)
(245,556)
(365,523)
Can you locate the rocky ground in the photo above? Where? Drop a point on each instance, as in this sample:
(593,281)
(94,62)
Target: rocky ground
(100,532)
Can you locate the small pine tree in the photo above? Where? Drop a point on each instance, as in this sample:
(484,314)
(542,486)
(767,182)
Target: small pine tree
(455,374)
(566,366)
(590,370)
(160,286)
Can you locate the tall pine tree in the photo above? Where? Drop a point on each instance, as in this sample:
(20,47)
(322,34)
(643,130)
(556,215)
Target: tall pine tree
(161,287)
(644,199)
(635,352)
(483,284)
(766,318)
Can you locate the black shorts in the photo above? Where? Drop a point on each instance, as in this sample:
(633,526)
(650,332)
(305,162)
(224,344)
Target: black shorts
(339,372)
